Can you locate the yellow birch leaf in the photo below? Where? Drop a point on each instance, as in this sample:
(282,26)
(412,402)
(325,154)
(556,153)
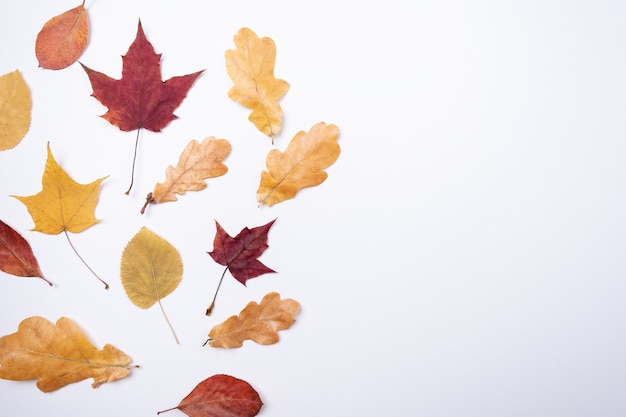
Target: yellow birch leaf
(258,322)
(151,269)
(301,165)
(58,355)
(199,161)
(251,67)
(15,109)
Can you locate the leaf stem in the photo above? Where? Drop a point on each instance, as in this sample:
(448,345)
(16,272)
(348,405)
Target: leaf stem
(210,309)
(132,174)
(165,411)
(106,286)
(168,323)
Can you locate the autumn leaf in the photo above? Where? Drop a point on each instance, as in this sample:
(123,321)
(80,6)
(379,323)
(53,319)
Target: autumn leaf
(58,355)
(140,99)
(63,205)
(239,254)
(63,39)
(15,109)
(199,161)
(151,269)
(221,396)
(301,165)
(251,68)
(16,255)
(258,322)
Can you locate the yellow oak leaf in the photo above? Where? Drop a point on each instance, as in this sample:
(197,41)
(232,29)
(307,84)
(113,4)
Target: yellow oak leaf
(251,67)
(58,355)
(63,204)
(301,165)
(15,109)
(151,269)
(258,322)
(199,161)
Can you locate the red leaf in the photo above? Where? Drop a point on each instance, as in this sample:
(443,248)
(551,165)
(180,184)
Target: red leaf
(221,396)
(140,99)
(16,255)
(240,253)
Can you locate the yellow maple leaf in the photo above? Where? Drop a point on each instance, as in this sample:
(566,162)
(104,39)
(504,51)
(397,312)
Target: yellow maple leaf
(251,67)
(301,165)
(63,205)
(58,355)
(199,161)
(151,269)
(15,109)
(258,322)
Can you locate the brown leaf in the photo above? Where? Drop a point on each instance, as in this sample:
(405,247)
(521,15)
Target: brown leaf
(221,396)
(199,161)
(301,165)
(58,355)
(16,256)
(251,67)
(257,322)
(63,39)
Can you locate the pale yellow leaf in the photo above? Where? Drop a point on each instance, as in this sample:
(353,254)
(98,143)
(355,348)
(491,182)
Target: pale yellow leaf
(15,109)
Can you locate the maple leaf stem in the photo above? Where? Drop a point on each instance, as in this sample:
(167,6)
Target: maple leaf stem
(168,322)
(132,173)
(106,286)
(210,309)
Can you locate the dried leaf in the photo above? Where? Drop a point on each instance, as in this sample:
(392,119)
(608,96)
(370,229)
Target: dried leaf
(251,67)
(151,269)
(199,161)
(16,256)
(63,39)
(239,254)
(58,355)
(15,109)
(301,165)
(63,205)
(221,396)
(140,99)
(257,322)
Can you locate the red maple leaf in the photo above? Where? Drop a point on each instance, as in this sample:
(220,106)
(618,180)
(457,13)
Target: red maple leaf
(140,99)
(239,254)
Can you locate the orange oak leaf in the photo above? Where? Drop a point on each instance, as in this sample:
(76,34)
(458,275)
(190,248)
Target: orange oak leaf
(301,165)
(258,322)
(199,161)
(140,99)
(16,255)
(221,396)
(239,254)
(63,205)
(63,39)
(251,68)
(58,355)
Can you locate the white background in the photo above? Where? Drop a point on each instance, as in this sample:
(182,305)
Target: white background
(465,257)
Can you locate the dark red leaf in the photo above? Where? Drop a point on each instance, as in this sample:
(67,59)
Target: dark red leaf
(240,253)
(221,396)
(140,99)
(16,255)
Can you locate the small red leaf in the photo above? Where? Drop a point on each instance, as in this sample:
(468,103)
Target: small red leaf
(240,253)
(16,255)
(221,396)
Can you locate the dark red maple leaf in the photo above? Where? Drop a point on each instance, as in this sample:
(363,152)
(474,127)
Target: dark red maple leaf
(140,99)
(221,396)
(239,254)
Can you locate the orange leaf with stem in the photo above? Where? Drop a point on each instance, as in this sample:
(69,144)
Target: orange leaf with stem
(63,205)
